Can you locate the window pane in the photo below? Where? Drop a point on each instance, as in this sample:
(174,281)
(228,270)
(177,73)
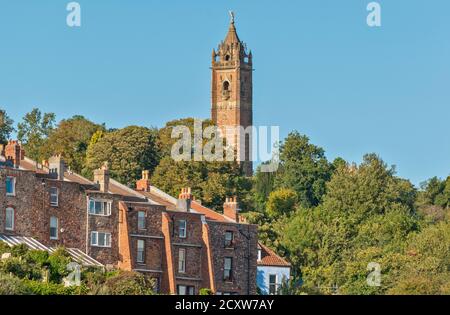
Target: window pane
(94,238)
(53,222)
(181,290)
(140,250)
(98,207)
(107,239)
(9,185)
(141,220)
(182,228)
(53,227)
(182,260)
(228,263)
(9,225)
(228,238)
(101,239)
(91,206)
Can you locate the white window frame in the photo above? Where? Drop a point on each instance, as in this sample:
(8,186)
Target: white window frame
(57,227)
(105,212)
(12,212)
(107,236)
(182,260)
(52,194)
(182,228)
(140,259)
(142,220)
(13,180)
(273,284)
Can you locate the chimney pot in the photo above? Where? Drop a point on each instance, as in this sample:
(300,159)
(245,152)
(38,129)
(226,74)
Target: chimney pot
(231,208)
(101,177)
(185,199)
(56,166)
(14,153)
(144,183)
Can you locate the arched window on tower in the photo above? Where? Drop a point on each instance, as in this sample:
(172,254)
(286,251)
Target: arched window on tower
(226,90)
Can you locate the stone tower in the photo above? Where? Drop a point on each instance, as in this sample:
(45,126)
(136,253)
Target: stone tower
(232,95)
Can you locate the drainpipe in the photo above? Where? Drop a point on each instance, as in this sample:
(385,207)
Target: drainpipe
(87,225)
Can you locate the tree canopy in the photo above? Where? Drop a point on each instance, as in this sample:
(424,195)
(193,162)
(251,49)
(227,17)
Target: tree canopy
(71,139)
(128,151)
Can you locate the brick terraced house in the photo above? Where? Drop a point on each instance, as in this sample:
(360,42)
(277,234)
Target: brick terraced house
(178,242)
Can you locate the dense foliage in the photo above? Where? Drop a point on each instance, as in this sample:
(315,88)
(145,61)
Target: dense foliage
(33,272)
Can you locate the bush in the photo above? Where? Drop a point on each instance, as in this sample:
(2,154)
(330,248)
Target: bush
(58,262)
(10,285)
(41,288)
(16,266)
(127,283)
(19,250)
(205,291)
(4,248)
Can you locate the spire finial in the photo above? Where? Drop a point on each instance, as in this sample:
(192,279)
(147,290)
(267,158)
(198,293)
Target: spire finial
(232,16)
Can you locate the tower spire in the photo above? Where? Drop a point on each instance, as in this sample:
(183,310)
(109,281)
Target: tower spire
(232,36)
(232,17)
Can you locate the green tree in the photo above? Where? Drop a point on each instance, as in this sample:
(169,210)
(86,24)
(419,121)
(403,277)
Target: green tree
(165,141)
(71,139)
(366,216)
(33,132)
(6,126)
(303,168)
(129,151)
(281,201)
(263,186)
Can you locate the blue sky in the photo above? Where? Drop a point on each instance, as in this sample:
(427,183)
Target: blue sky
(319,69)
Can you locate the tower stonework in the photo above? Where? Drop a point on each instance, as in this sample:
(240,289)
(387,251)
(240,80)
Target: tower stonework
(232,95)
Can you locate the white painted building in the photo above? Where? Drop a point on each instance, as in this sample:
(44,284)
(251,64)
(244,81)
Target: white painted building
(272,271)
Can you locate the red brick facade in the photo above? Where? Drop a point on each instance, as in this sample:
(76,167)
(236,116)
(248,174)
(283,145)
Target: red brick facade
(113,225)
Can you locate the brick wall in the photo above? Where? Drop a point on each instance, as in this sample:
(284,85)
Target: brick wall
(243,253)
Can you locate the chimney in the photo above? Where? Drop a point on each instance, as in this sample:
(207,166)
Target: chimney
(231,209)
(101,177)
(14,153)
(144,183)
(56,166)
(184,200)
